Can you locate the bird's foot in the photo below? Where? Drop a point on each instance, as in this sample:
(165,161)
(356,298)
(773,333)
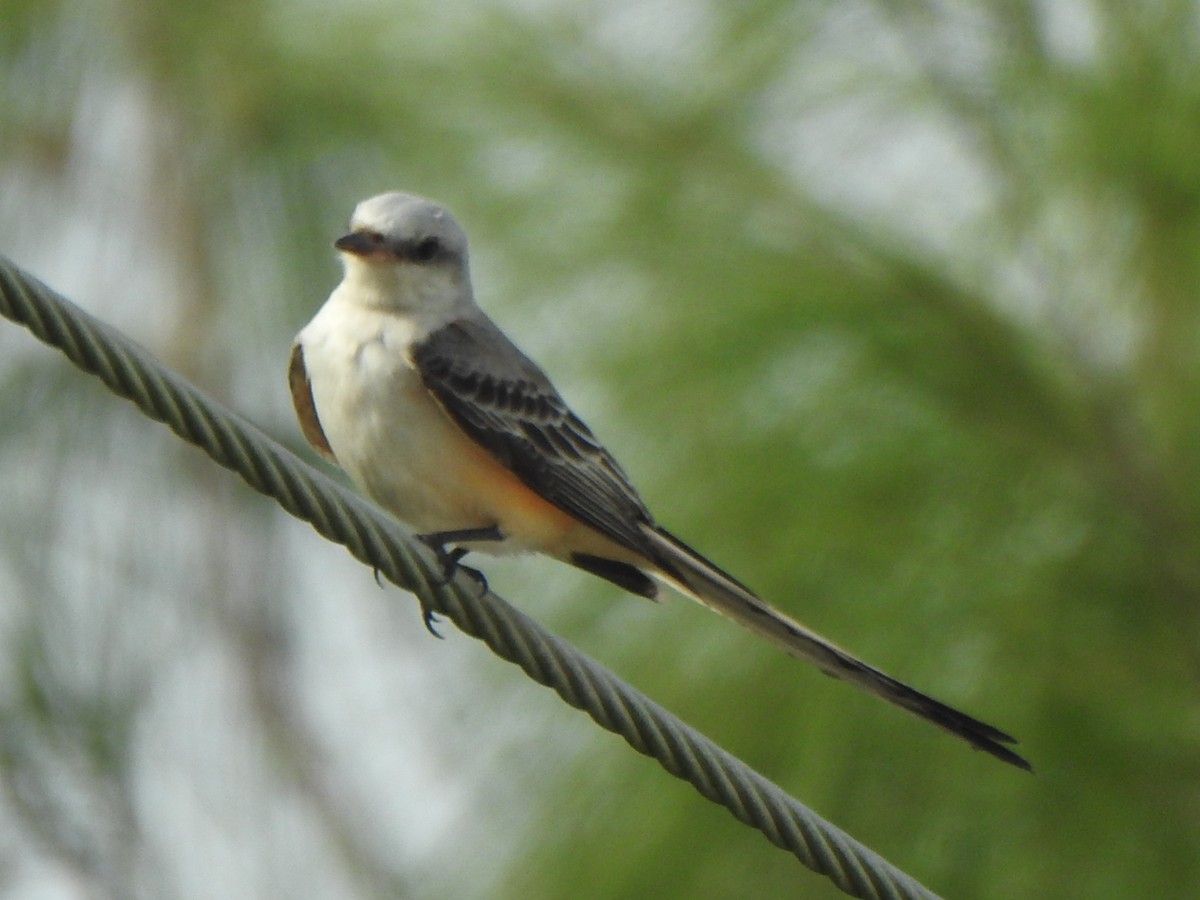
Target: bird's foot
(450,561)
(437,541)
(429,617)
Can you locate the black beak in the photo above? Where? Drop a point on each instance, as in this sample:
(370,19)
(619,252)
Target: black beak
(359,243)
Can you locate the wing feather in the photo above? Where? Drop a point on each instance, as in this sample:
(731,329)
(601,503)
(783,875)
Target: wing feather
(306,409)
(505,403)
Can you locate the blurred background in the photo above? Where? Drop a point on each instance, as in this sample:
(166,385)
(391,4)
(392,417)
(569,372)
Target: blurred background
(893,309)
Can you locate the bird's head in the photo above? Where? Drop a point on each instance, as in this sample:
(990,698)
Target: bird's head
(406,253)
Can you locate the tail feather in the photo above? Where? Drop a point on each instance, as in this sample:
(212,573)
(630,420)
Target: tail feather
(693,575)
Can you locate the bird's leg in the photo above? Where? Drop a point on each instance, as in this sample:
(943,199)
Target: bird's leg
(449,559)
(439,539)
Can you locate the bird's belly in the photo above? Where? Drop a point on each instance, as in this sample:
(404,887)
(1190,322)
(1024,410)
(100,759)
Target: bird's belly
(387,433)
(394,440)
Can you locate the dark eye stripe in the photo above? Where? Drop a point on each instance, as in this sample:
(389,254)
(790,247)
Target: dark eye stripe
(427,249)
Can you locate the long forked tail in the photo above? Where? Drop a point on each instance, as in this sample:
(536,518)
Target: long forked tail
(693,575)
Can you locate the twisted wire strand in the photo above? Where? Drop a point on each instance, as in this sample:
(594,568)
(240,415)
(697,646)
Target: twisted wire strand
(377,540)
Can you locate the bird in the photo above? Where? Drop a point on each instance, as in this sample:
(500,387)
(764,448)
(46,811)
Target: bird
(403,381)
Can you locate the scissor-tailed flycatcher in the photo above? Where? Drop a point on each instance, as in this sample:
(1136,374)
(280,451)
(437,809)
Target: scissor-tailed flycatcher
(407,385)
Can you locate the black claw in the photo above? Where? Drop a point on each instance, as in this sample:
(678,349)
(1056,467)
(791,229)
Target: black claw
(478,577)
(447,559)
(430,618)
(438,540)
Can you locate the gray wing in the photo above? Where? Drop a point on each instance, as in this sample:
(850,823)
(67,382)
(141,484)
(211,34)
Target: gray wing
(507,405)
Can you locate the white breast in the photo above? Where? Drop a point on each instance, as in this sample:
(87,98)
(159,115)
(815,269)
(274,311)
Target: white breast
(385,429)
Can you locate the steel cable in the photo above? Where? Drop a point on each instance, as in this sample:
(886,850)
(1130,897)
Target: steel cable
(377,540)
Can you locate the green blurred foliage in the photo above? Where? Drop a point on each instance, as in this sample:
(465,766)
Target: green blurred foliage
(890,308)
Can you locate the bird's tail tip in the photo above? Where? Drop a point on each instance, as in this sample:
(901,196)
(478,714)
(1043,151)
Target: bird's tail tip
(693,575)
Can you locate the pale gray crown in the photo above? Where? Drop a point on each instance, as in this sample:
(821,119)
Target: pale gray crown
(408,222)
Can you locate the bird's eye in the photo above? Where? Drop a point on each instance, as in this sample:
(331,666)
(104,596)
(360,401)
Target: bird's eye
(427,249)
